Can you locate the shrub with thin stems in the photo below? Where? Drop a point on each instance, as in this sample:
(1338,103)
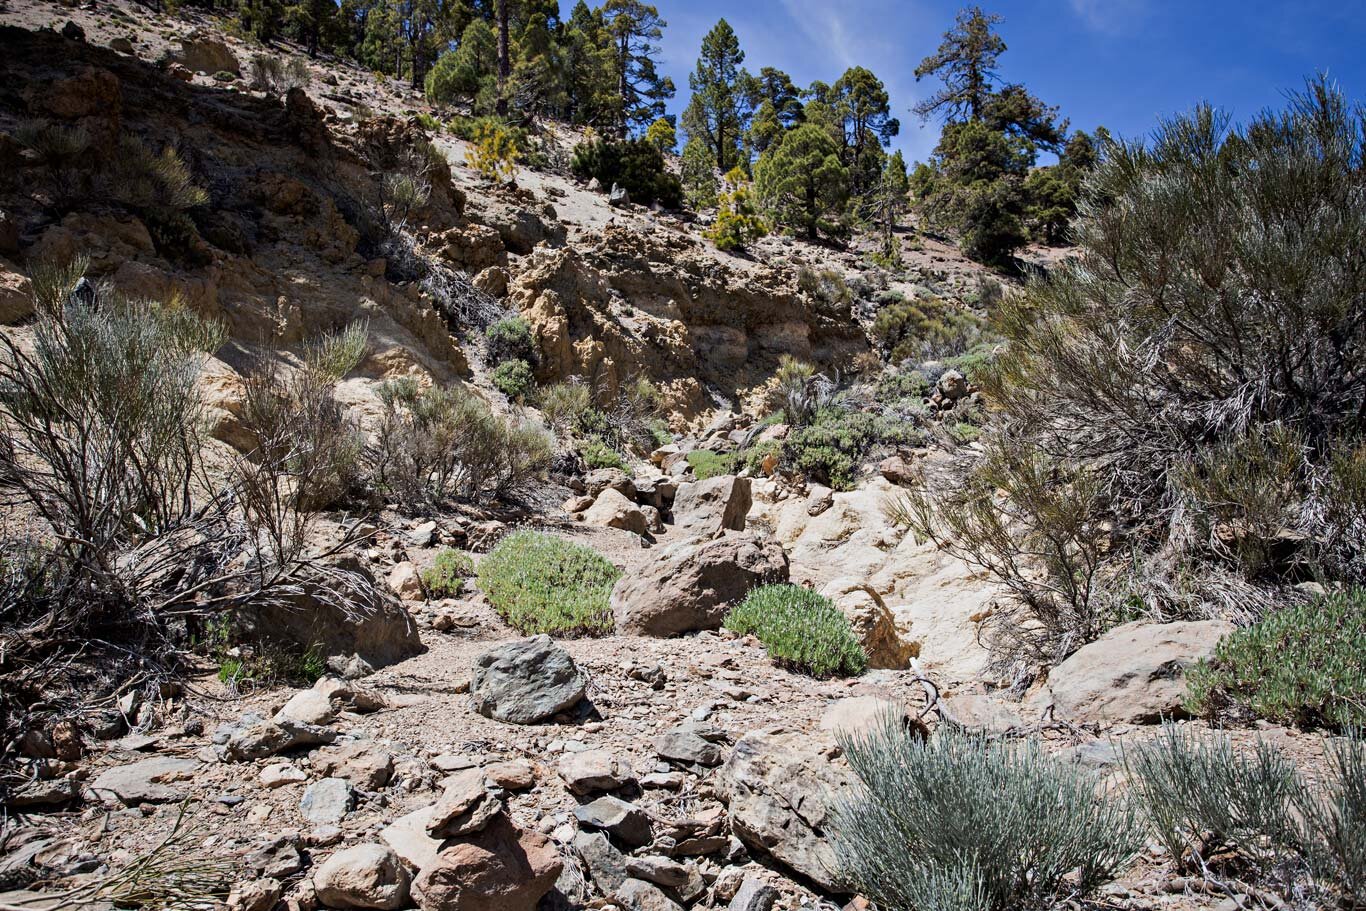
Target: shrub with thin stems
(510,339)
(1304,664)
(1202,797)
(306,453)
(800,629)
(541,583)
(1195,374)
(565,406)
(445,578)
(439,443)
(967,822)
(277,76)
(493,152)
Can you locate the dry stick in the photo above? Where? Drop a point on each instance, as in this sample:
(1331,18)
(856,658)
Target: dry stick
(932,700)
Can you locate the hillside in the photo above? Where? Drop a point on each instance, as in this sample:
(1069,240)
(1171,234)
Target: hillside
(374,620)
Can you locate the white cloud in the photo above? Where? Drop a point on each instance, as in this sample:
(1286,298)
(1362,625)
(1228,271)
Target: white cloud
(1111,16)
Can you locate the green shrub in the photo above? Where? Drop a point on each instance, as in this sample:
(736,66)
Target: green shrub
(445,578)
(902,386)
(510,339)
(925,329)
(634,164)
(494,152)
(707,464)
(833,447)
(541,583)
(1300,665)
(276,76)
(737,222)
(514,378)
(800,629)
(429,122)
(963,822)
(597,454)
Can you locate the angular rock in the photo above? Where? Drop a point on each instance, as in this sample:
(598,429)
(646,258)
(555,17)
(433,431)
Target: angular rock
(858,715)
(691,742)
(613,510)
(716,504)
(327,801)
(638,895)
(201,52)
(780,787)
(500,869)
(606,865)
(691,584)
(465,806)
(255,895)
(280,774)
(278,857)
(363,876)
(753,895)
(525,682)
(623,820)
(513,774)
(659,870)
(408,838)
(145,781)
(308,707)
(595,770)
(873,624)
(405,581)
(1135,673)
(266,738)
(619,198)
(602,479)
(365,764)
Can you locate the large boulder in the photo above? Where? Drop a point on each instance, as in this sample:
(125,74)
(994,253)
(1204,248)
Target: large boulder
(873,624)
(525,682)
(201,52)
(713,505)
(692,583)
(500,869)
(350,615)
(613,510)
(363,876)
(1135,673)
(780,787)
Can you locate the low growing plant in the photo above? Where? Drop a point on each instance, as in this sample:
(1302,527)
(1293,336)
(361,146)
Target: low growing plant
(542,583)
(514,379)
(963,822)
(1303,665)
(800,629)
(445,578)
(707,464)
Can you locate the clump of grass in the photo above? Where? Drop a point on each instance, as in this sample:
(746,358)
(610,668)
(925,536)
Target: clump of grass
(801,630)
(445,578)
(1301,665)
(541,583)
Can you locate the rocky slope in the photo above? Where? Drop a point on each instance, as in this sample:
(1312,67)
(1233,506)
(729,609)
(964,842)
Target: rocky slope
(670,765)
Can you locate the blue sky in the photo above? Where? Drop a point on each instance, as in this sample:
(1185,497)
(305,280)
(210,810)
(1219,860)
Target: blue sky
(1121,63)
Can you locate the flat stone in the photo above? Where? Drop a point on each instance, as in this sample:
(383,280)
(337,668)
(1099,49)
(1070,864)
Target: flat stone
(327,801)
(625,821)
(145,781)
(594,770)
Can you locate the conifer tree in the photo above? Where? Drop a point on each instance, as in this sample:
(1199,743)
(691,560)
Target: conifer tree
(698,173)
(860,102)
(719,109)
(635,29)
(801,181)
(966,63)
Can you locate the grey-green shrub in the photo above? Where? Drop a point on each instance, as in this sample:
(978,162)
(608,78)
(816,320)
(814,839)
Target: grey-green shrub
(800,629)
(1201,796)
(1304,664)
(510,339)
(962,821)
(445,578)
(542,583)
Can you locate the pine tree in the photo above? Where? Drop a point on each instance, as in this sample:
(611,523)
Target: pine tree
(801,181)
(889,197)
(662,135)
(966,64)
(697,170)
(641,91)
(719,109)
(777,108)
(589,67)
(860,102)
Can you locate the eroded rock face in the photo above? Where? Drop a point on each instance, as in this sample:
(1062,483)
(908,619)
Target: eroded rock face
(1135,673)
(500,869)
(873,624)
(201,52)
(780,787)
(525,682)
(692,583)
